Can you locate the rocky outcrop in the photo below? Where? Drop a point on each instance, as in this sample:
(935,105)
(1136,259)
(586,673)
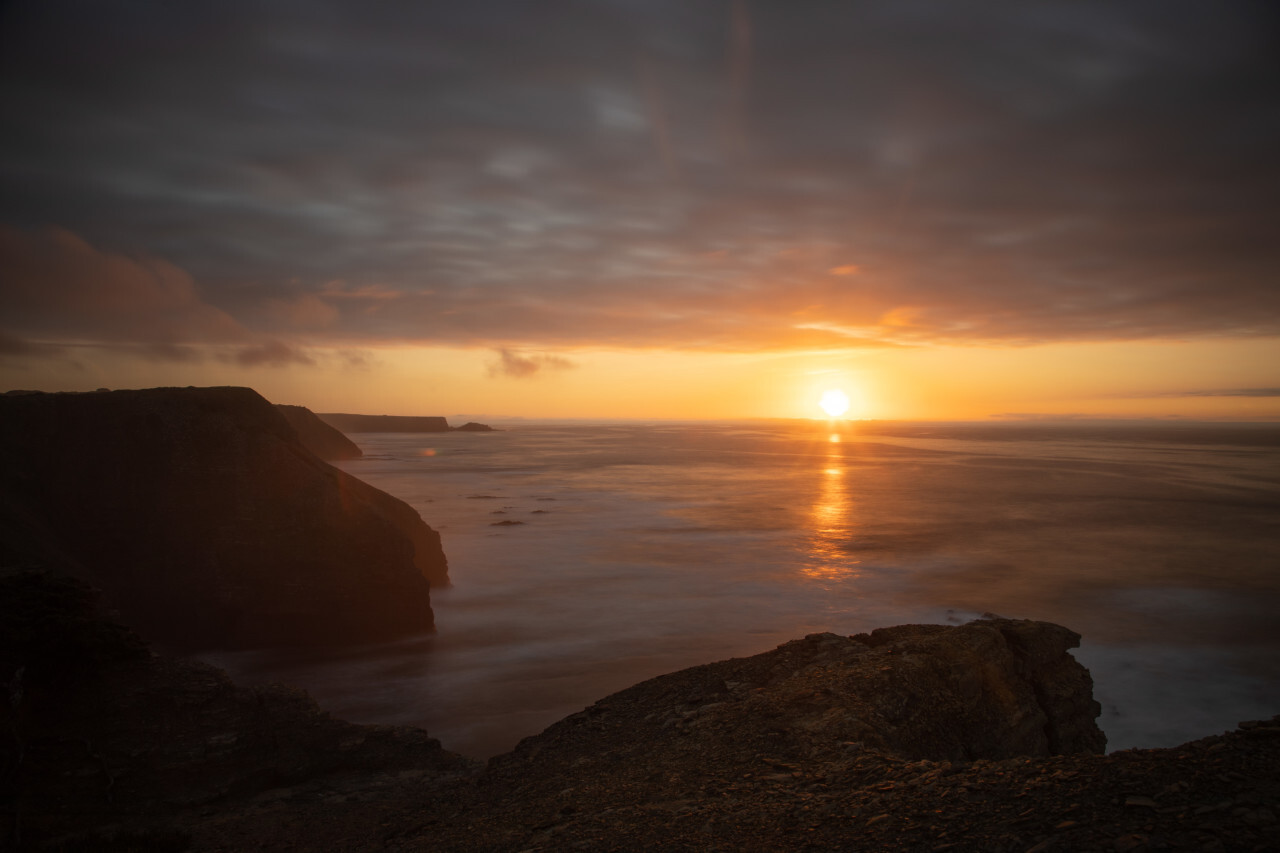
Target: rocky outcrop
(383,423)
(472,426)
(97,732)
(206,522)
(317,436)
(991,689)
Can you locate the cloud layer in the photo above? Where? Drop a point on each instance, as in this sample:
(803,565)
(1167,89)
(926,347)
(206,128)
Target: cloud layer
(720,175)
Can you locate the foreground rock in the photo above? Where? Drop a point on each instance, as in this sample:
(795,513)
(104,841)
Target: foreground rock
(105,744)
(206,522)
(317,436)
(976,738)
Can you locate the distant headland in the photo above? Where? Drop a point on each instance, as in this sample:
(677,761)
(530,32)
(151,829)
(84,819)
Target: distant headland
(394,423)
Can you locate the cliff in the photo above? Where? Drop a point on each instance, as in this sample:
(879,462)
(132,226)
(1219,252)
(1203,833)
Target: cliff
(206,522)
(317,436)
(972,738)
(383,423)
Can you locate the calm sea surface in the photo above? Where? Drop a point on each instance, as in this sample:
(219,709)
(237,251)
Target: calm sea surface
(587,558)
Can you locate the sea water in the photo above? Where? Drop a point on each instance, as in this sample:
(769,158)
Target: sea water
(587,557)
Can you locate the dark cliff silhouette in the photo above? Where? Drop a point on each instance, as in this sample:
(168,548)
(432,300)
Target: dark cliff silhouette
(206,522)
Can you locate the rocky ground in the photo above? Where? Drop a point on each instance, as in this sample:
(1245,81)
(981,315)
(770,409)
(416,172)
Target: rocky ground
(978,737)
(1217,794)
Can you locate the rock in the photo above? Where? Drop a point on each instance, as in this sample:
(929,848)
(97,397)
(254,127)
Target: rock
(206,522)
(990,689)
(383,423)
(105,733)
(317,436)
(472,426)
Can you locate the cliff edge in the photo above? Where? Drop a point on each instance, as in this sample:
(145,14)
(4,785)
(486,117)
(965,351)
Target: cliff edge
(317,436)
(206,522)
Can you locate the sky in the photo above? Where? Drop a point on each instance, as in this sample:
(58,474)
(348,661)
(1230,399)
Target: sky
(950,209)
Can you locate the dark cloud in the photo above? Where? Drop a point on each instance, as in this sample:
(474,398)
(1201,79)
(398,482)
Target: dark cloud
(16,348)
(726,175)
(270,354)
(517,366)
(1231,392)
(170,353)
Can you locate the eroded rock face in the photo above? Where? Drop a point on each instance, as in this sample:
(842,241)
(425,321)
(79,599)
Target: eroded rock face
(317,436)
(207,523)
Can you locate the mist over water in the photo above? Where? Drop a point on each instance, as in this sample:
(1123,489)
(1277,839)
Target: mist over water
(587,558)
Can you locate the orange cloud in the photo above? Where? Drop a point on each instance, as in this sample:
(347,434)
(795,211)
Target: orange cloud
(519,366)
(58,286)
(901,317)
(307,311)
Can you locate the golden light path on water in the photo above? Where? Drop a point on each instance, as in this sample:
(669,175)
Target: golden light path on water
(832,519)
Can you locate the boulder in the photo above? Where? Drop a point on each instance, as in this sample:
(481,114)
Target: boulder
(317,436)
(207,523)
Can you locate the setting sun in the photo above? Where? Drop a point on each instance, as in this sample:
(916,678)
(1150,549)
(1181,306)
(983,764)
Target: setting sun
(835,403)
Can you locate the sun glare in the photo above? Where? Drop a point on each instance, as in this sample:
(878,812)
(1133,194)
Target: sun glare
(835,403)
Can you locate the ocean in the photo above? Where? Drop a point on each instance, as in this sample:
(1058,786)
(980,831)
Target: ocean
(588,557)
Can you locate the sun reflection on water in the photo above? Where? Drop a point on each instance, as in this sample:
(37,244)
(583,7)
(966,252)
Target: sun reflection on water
(831,520)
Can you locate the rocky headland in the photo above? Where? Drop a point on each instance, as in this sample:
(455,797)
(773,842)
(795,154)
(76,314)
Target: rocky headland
(206,521)
(396,423)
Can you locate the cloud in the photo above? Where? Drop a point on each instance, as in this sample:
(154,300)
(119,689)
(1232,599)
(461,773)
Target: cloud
(1228,392)
(516,366)
(355,359)
(1052,417)
(642,174)
(11,347)
(168,353)
(271,354)
(305,311)
(59,286)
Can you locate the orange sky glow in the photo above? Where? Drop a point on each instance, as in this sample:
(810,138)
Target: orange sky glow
(1104,380)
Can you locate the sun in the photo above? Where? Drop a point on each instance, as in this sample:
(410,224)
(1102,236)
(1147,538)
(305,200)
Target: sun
(834,402)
